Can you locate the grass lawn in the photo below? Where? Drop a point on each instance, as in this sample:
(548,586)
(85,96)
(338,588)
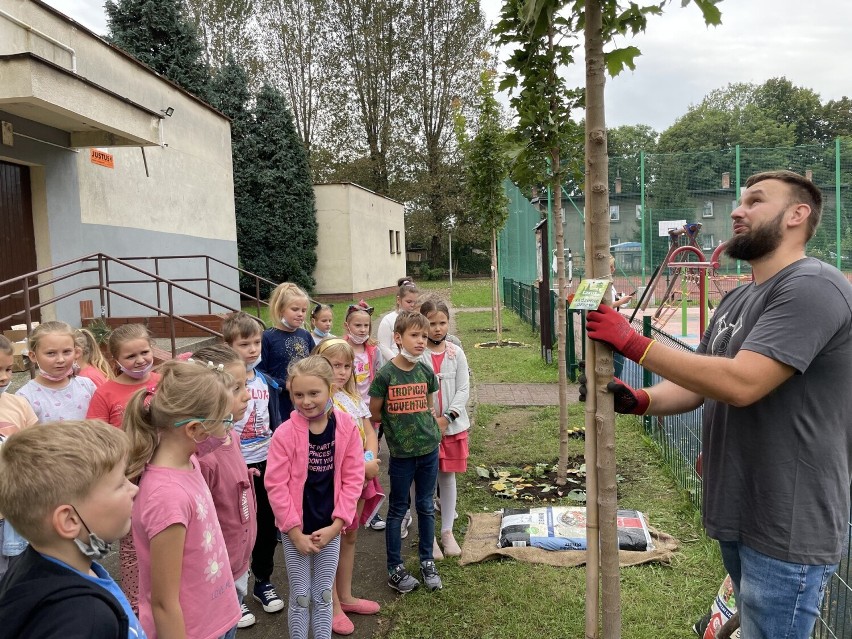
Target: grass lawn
(508,599)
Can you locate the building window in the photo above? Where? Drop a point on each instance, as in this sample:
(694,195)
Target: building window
(707,211)
(613,241)
(390,239)
(709,242)
(638,211)
(613,213)
(397,242)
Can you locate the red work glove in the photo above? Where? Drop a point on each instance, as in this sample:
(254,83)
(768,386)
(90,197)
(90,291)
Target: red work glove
(626,400)
(610,327)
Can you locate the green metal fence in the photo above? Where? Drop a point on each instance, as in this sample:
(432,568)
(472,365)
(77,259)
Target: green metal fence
(678,440)
(650,191)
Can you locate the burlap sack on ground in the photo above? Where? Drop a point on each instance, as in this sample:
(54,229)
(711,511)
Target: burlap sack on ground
(480,543)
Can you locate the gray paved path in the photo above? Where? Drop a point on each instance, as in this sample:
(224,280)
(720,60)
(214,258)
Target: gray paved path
(522,394)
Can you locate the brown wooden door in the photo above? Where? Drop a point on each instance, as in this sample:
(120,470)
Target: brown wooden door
(17,238)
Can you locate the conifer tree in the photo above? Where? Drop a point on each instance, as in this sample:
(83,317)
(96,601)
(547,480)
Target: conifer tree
(276,222)
(158,33)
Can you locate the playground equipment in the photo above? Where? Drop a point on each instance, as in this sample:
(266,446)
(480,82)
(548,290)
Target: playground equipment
(692,276)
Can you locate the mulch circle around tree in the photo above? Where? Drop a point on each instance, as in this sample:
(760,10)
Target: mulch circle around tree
(537,482)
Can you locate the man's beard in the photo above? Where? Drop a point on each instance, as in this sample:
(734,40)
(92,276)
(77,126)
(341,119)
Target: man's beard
(756,243)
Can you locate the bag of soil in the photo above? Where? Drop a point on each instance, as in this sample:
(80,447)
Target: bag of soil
(724,607)
(564,528)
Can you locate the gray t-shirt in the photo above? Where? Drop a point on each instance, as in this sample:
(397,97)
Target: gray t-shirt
(777,473)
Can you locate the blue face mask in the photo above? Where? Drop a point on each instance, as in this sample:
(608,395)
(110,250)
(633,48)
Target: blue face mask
(321,334)
(328,406)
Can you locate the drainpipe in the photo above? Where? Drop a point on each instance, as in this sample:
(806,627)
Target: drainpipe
(43,36)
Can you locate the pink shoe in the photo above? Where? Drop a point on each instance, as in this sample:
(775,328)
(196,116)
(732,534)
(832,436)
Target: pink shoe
(341,625)
(361,607)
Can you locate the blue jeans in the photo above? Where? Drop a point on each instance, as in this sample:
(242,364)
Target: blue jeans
(776,599)
(422,471)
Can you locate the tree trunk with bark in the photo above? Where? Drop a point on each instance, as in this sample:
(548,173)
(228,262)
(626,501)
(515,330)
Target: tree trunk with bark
(597,257)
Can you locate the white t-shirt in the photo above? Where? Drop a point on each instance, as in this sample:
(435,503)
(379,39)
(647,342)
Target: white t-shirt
(57,404)
(384,336)
(253,430)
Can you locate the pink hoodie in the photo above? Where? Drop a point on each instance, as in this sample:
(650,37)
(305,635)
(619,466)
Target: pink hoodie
(287,470)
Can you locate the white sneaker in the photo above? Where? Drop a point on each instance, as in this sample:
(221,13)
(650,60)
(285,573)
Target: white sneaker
(247,619)
(406,524)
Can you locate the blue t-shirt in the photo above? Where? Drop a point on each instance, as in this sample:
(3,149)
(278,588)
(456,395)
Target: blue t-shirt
(318,495)
(278,349)
(106,582)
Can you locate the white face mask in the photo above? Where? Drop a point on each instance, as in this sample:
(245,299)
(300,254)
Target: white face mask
(358,340)
(411,358)
(253,365)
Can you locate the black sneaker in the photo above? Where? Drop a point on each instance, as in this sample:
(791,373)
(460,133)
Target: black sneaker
(265,593)
(430,575)
(401,580)
(377,523)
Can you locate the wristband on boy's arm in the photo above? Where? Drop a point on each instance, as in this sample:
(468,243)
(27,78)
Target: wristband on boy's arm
(451,416)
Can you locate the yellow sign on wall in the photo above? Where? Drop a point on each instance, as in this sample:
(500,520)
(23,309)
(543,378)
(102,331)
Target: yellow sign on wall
(99,156)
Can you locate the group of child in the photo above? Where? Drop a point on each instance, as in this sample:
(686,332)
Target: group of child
(272,435)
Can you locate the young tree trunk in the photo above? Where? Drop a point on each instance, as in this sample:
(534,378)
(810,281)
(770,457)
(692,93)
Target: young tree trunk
(562,288)
(597,244)
(498,318)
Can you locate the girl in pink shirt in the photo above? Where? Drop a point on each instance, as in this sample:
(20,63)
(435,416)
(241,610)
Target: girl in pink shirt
(131,348)
(314,477)
(185,581)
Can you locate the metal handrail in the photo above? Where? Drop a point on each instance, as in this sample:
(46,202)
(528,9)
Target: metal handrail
(106,290)
(241,271)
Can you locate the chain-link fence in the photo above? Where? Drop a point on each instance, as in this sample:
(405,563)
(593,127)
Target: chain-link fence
(651,192)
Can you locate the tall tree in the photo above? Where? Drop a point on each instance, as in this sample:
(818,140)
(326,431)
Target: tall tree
(370,47)
(227,27)
(486,165)
(158,33)
(278,230)
(301,60)
(229,92)
(446,43)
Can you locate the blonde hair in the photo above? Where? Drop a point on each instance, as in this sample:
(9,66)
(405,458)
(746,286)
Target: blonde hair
(241,325)
(91,350)
(48,465)
(126,333)
(281,296)
(313,366)
(337,347)
(185,390)
(49,328)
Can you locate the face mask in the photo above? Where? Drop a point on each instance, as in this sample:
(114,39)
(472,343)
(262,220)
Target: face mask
(358,340)
(411,358)
(96,548)
(321,334)
(328,406)
(209,445)
(253,365)
(288,325)
(3,389)
(140,374)
(438,341)
(54,378)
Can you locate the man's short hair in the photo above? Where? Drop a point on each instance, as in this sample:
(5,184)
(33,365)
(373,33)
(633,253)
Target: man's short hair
(240,325)
(48,465)
(802,190)
(407,320)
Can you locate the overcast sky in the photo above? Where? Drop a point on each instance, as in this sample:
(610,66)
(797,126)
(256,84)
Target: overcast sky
(683,60)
